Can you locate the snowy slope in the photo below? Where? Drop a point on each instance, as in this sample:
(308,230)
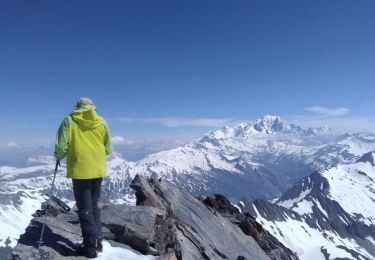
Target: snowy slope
(15,213)
(328,215)
(266,157)
(354,190)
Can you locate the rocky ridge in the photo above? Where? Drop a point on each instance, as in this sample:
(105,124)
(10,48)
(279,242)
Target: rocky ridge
(167,223)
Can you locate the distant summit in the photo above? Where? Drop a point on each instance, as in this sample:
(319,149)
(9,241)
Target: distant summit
(274,124)
(319,130)
(268,125)
(368,157)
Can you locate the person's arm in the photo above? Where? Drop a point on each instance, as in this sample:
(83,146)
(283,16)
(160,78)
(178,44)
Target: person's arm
(62,140)
(107,140)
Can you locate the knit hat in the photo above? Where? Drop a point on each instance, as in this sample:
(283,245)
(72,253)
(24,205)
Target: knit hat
(84,104)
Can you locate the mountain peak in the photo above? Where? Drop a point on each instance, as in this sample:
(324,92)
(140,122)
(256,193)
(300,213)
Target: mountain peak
(274,124)
(270,118)
(368,157)
(266,125)
(321,130)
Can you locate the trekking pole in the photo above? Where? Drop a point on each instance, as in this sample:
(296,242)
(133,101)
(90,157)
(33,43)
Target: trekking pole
(49,203)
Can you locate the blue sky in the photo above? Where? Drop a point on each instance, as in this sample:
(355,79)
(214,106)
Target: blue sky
(163,72)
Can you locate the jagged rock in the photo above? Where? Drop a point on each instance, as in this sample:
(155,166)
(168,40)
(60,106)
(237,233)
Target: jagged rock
(55,206)
(201,233)
(174,225)
(145,193)
(220,203)
(247,206)
(59,240)
(250,227)
(134,226)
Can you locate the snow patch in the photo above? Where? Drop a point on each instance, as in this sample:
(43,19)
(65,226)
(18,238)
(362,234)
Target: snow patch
(304,207)
(238,208)
(346,186)
(14,219)
(289,203)
(321,208)
(115,253)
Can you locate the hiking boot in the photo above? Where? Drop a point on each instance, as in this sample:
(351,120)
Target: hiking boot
(99,246)
(88,248)
(89,252)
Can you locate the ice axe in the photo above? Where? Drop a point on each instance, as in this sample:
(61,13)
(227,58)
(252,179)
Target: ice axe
(40,242)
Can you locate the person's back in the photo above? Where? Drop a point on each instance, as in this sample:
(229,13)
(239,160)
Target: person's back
(84,139)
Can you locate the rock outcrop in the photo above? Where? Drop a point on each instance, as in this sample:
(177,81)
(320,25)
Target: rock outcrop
(269,244)
(166,223)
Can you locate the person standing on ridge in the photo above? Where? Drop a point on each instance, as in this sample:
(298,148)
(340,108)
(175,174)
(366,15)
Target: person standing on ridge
(84,138)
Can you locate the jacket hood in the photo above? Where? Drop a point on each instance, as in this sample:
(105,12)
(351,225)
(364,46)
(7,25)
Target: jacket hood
(89,119)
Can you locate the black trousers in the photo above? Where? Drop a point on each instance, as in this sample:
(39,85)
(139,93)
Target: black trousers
(87,194)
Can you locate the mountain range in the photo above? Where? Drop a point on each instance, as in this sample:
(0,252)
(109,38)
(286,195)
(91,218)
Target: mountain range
(260,159)
(311,175)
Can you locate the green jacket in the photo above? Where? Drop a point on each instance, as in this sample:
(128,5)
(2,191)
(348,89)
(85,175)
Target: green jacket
(84,138)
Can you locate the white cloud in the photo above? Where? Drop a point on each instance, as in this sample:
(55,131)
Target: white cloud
(12,145)
(116,140)
(339,111)
(30,146)
(175,122)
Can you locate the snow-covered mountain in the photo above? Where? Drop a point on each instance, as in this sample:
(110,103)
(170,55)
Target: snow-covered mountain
(327,215)
(260,159)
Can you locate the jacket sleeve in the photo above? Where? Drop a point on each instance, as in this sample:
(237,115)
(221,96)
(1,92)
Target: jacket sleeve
(62,140)
(107,140)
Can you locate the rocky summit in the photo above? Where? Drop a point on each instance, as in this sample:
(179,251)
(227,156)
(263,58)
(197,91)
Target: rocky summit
(166,223)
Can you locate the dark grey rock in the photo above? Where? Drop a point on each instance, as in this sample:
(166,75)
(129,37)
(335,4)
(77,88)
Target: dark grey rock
(368,157)
(145,193)
(55,206)
(61,236)
(250,227)
(205,235)
(131,225)
(59,240)
(247,206)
